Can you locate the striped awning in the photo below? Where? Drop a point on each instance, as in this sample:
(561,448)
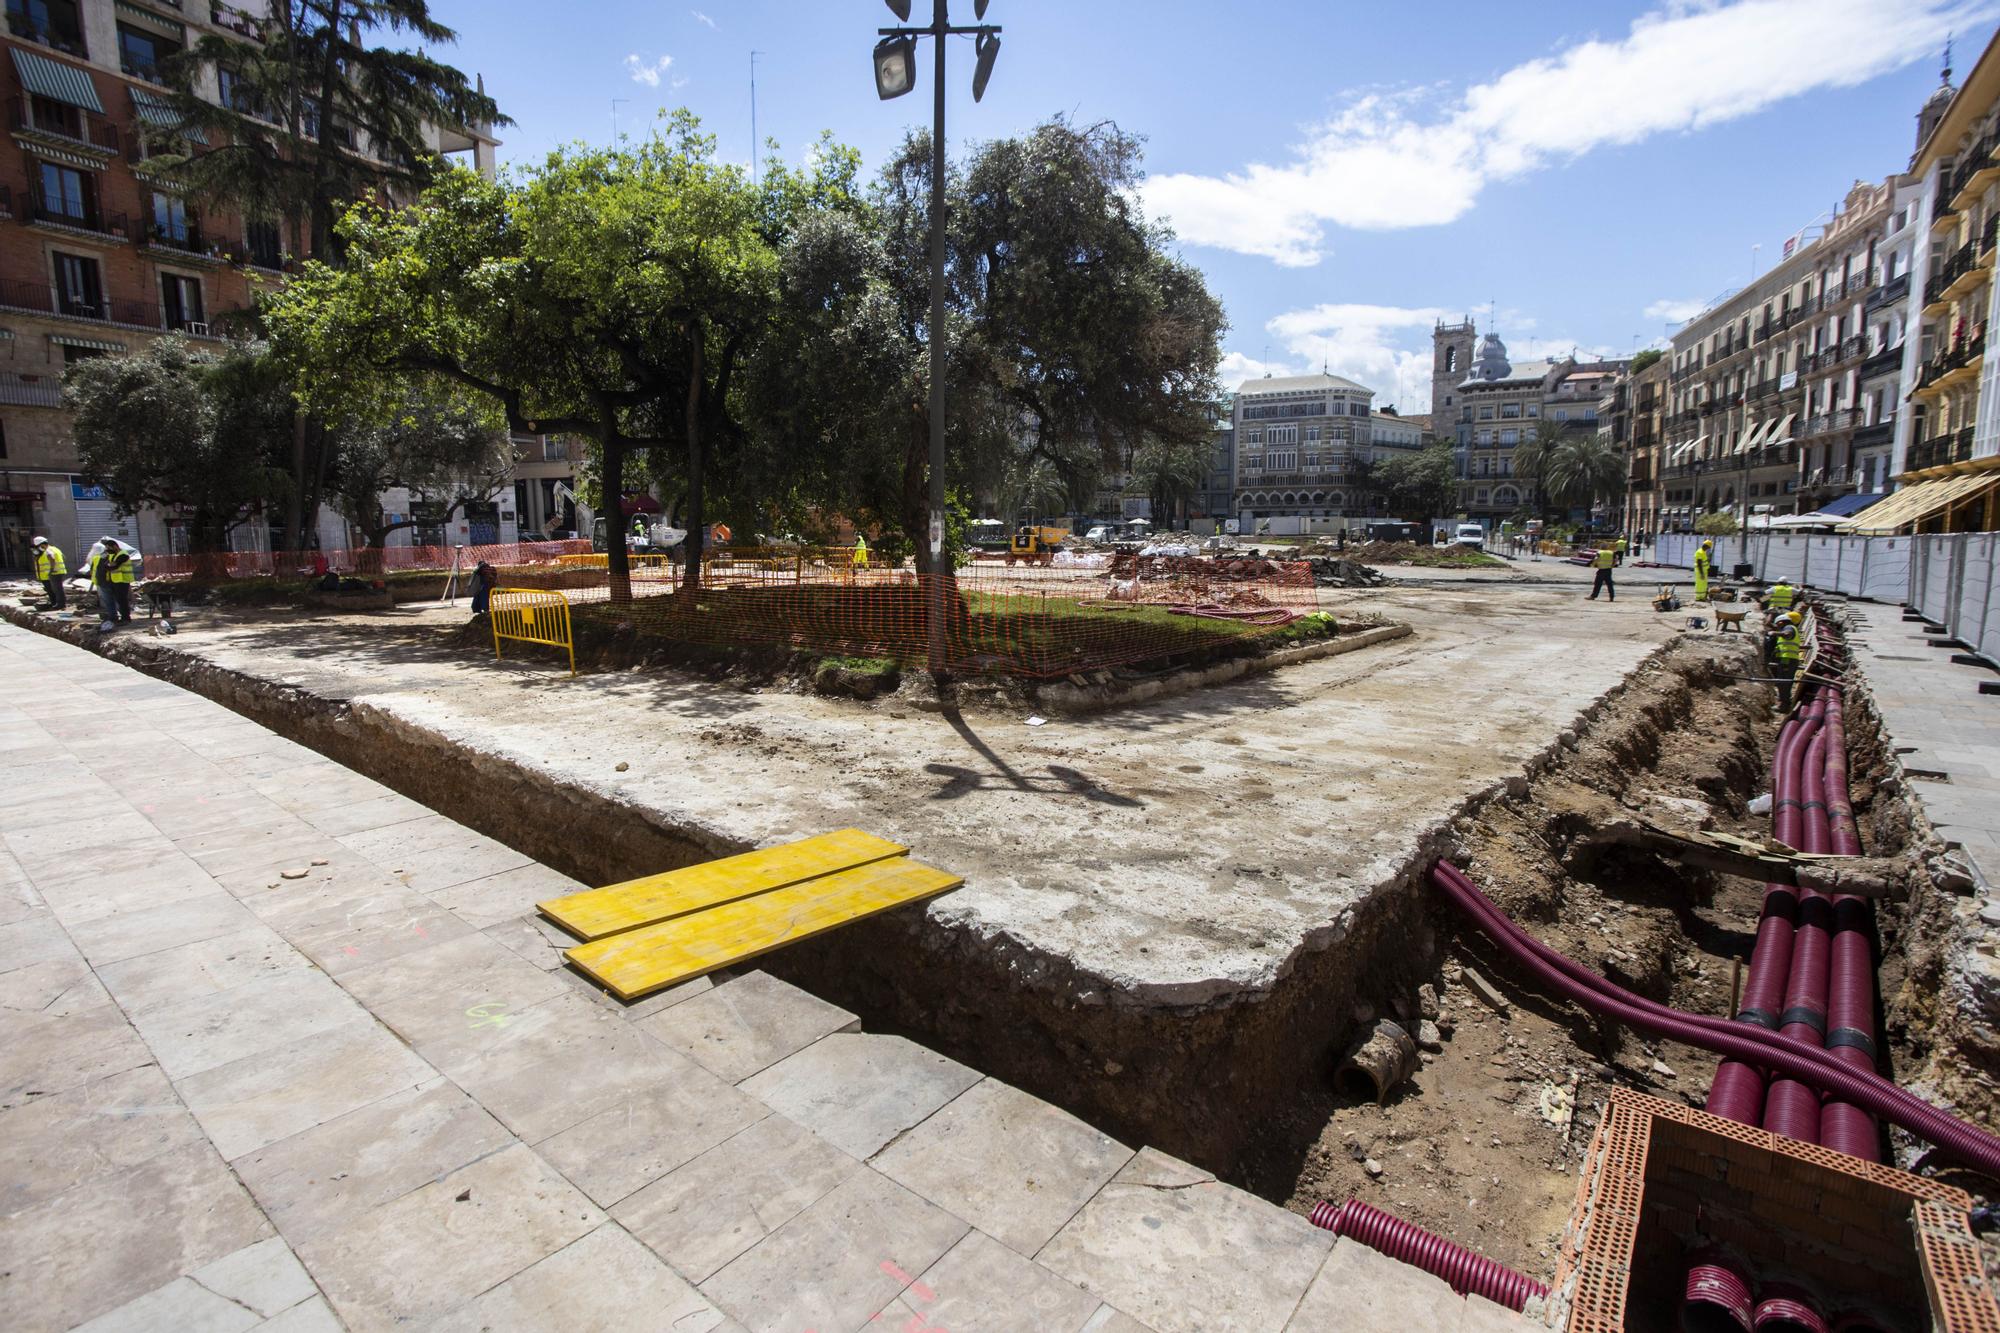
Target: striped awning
(93,344)
(159,113)
(148,19)
(52,78)
(1782,432)
(1752,437)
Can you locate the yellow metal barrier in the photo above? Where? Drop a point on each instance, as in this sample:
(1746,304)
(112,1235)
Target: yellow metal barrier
(531,615)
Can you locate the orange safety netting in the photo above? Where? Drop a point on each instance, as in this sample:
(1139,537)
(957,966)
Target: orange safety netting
(1024,620)
(361,563)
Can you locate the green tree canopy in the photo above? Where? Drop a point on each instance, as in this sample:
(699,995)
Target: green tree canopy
(446,450)
(1421,485)
(608,294)
(190,431)
(1581,470)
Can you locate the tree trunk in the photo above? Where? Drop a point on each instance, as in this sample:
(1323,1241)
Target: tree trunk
(696,521)
(295,498)
(618,564)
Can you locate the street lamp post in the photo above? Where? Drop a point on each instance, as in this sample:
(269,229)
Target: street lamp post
(895,75)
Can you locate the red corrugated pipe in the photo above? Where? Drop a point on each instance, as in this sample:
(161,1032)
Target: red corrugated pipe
(1718,1293)
(1791,1107)
(1786,1308)
(1966,1143)
(1850,1004)
(1738,1090)
(1411,1244)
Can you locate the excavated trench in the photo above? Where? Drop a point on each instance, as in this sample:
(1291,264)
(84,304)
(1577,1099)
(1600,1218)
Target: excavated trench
(1480,1144)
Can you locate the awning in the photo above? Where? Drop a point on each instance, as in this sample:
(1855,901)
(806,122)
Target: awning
(1913,504)
(147,18)
(93,344)
(1782,434)
(52,78)
(1753,437)
(1846,506)
(159,113)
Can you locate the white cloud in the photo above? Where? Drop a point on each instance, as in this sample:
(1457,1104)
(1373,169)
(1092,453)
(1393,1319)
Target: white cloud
(645,73)
(1419,157)
(1669,311)
(700,17)
(1386,348)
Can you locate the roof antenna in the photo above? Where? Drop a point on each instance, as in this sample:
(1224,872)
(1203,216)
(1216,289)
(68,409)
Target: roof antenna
(1944,75)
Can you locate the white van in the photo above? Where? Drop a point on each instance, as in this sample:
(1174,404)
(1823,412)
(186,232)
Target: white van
(1470,534)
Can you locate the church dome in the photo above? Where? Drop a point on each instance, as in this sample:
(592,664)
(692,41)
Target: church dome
(1491,363)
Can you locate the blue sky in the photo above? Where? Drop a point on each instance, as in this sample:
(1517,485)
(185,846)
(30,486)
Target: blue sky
(1343,173)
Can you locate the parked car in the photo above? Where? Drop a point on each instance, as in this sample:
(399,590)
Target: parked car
(1470,534)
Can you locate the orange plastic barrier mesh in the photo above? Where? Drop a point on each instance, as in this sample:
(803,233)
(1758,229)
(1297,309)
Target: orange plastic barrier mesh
(363,563)
(1022,620)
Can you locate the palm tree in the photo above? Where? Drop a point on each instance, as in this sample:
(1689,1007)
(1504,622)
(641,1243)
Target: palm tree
(1531,460)
(1583,470)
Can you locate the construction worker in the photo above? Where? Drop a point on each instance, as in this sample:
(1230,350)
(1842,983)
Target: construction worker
(638,526)
(110,572)
(1704,566)
(1623,546)
(860,551)
(1786,653)
(1602,562)
(1779,597)
(51,570)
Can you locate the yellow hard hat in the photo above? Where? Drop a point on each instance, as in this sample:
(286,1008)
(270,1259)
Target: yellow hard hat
(1796,617)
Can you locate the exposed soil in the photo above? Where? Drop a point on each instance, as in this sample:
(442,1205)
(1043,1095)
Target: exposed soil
(1483,1144)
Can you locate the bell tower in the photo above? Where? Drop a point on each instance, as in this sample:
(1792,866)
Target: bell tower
(1451,364)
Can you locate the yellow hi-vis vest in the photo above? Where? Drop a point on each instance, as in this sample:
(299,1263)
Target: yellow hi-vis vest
(1606,557)
(49,562)
(1701,561)
(1781,597)
(108,568)
(1788,644)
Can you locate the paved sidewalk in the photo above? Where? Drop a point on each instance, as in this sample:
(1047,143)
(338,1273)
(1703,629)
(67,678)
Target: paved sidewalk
(280,1049)
(1941,724)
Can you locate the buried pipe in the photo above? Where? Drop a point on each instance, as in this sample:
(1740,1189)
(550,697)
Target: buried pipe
(1737,1092)
(1785,1307)
(1718,1296)
(1966,1143)
(1379,1063)
(1466,1272)
(1791,1107)
(1850,1005)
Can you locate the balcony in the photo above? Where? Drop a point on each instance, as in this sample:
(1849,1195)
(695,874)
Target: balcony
(1883,362)
(39,298)
(1882,432)
(70,127)
(186,245)
(1890,292)
(30,29)
(92,224)
(30,390)
(231,19)
(1940,451)
(1829,423)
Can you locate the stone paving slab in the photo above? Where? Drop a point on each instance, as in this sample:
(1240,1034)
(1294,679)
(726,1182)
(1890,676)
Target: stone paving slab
(372,1097)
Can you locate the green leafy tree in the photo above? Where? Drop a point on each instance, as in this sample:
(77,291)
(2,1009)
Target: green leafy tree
(1422,485)
(1532,457)
(446,451)
(1645,359)
(1719,524)
(607,294)
(311,115)
(186,430)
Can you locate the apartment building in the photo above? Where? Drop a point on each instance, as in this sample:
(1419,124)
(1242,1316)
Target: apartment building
(1216,500)
(1948,456)
(99,250)
(1496,404)
(1298,439)
(1388,431)
(1644,398)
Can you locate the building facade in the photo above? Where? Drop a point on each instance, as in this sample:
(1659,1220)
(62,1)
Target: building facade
(1952,422)
(1645,396)
(1298,440)
(1495,405)
(100,252)
(1216,500)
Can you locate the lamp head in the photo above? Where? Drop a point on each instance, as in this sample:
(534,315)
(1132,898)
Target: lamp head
(900,8)
(986,49)
(895,66)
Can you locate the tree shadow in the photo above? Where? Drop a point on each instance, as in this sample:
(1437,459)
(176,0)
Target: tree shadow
(1003,776)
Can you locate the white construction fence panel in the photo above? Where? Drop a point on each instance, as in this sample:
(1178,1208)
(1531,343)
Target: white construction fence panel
(1956,581)
(1872,567)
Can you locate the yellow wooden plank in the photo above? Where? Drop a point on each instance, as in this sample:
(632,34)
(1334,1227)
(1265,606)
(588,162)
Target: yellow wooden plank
(638,962)
(595,913)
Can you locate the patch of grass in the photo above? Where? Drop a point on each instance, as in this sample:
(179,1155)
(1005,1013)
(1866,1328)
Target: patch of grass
(867,666)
